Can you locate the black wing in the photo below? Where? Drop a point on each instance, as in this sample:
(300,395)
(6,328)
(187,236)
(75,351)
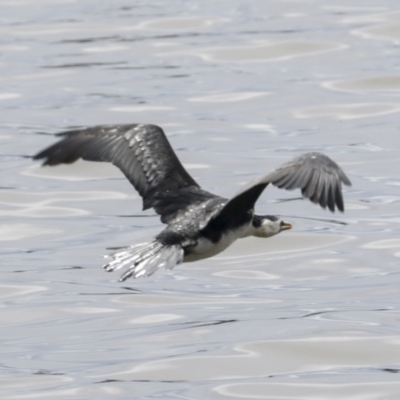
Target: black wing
(318,177)
(142,153)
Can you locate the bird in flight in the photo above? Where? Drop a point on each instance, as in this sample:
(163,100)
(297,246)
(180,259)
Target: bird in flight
(199,224)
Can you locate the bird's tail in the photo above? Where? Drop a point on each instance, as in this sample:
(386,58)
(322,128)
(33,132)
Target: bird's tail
(145,259)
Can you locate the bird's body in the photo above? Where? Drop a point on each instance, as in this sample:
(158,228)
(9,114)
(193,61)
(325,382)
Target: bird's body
(200,224)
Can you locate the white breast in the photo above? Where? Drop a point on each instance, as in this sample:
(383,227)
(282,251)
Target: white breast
(205,248)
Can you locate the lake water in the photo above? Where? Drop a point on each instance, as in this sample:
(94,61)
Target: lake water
(239,87)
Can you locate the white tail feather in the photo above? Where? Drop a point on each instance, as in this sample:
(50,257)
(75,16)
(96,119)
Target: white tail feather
(145,259)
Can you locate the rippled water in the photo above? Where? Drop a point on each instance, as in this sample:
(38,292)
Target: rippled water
(239,87)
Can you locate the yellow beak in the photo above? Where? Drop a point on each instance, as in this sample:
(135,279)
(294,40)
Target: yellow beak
(285,226)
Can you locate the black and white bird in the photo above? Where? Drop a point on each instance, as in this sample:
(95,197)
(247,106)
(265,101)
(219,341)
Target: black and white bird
(199,224)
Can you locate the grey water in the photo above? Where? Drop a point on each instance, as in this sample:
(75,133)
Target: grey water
(239,88)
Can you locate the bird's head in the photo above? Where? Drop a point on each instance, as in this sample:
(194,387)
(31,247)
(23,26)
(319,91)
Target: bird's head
(268,225)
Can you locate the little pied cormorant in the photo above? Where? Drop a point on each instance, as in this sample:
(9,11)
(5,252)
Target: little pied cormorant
(199,224)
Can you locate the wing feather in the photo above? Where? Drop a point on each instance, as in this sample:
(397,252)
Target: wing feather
(318,177)
(293,182)
(304,177)
(324,185)
(311,186)
(141,152)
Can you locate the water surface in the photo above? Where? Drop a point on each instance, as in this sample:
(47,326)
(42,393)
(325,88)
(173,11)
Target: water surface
(239,87)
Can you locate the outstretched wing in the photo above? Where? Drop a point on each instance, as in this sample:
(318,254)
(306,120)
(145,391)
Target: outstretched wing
(319,178)
(141,152)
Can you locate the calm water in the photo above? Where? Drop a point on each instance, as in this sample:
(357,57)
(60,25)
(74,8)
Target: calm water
(240,87)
